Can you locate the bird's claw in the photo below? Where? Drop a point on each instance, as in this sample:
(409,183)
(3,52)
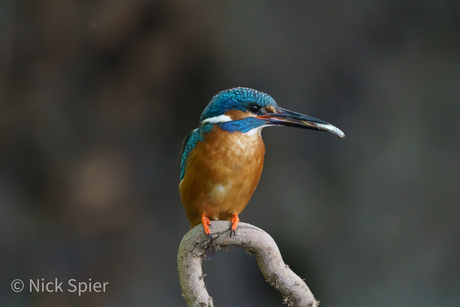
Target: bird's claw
(235,221)
(206,223)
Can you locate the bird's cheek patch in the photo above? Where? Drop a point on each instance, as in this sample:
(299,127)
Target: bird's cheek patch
(238,115)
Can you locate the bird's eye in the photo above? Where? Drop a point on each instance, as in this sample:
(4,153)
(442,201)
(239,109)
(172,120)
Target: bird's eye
(254,108)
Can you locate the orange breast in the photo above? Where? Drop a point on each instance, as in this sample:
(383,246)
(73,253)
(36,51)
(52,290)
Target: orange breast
(221,174)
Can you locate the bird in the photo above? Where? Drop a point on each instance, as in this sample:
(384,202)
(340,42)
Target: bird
(222,159)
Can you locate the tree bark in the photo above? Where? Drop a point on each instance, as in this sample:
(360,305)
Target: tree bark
(257,243)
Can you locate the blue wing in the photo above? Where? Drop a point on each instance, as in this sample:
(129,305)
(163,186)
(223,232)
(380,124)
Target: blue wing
(189,143)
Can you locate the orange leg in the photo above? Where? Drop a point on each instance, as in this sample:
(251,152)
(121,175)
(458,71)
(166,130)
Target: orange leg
(235,221)
(206,223)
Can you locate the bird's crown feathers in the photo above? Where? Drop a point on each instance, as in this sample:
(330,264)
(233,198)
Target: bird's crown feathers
(239,98)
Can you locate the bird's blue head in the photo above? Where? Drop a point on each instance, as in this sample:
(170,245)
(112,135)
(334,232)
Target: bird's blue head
(237,99)
(236,109)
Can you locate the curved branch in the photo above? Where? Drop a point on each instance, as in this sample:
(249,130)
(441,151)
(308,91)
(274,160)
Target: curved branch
(257,243)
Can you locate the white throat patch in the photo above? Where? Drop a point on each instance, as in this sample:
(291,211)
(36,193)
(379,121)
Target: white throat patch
(217,119)
(254,131)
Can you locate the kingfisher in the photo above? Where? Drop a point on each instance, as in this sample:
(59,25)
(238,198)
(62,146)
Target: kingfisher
(222,159)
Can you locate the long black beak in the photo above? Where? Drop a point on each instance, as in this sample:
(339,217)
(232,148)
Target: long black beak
(293,119)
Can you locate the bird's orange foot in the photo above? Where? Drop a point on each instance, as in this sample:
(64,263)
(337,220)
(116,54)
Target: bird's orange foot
(206,223)
(235,221)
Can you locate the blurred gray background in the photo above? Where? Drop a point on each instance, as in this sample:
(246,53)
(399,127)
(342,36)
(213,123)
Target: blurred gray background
(97,96)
